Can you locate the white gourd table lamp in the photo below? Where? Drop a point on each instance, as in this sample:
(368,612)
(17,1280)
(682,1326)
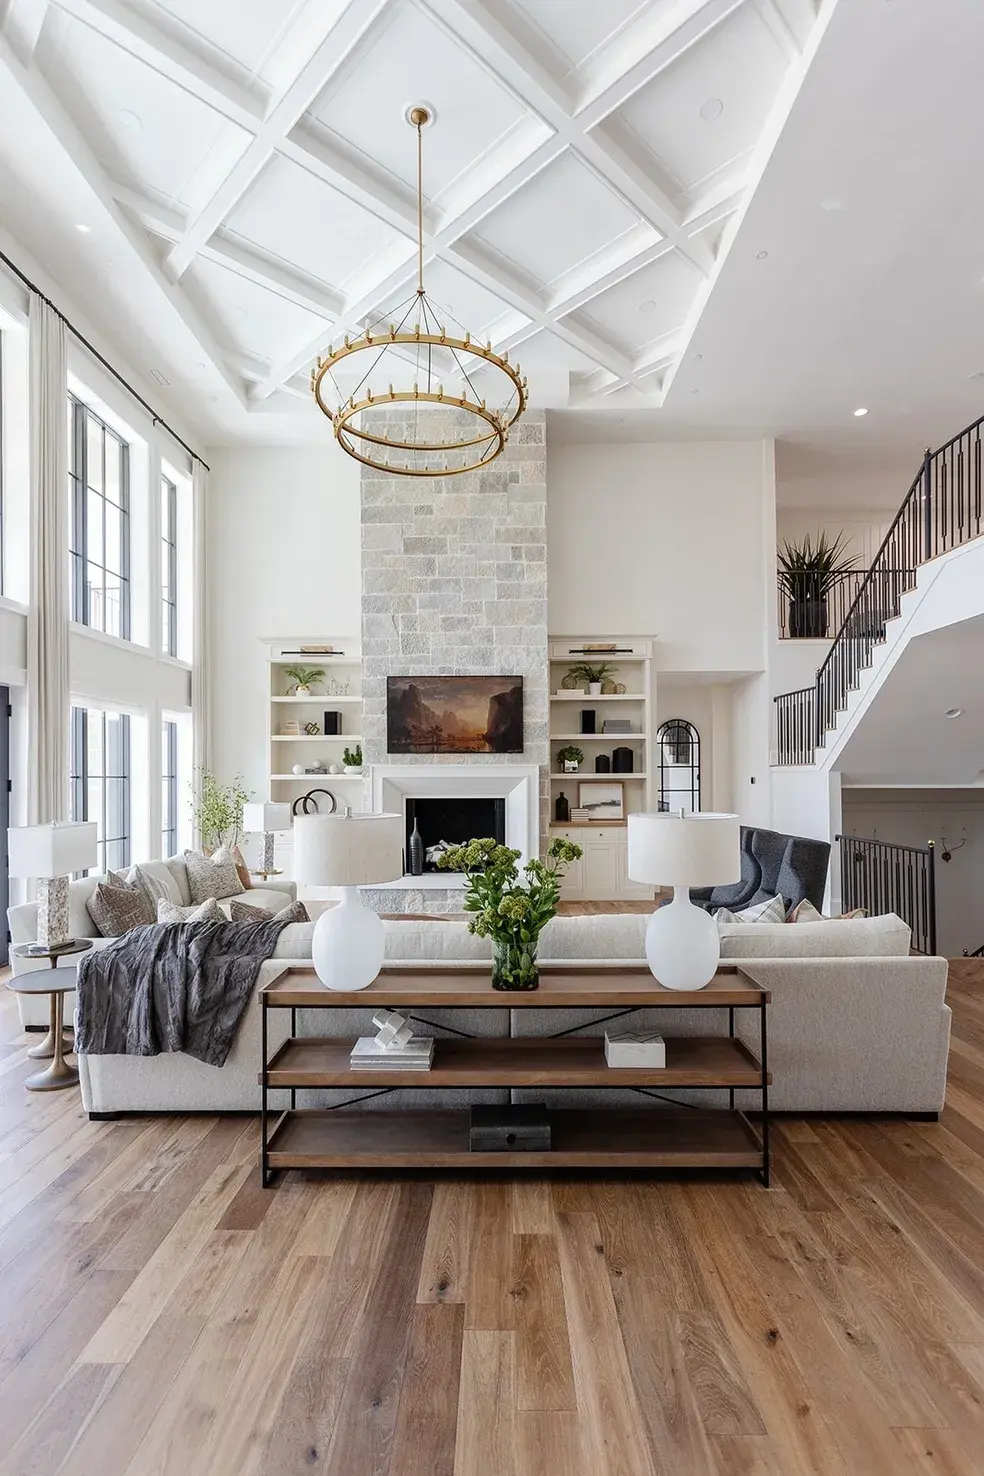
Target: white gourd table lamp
(348,851)
(266,819)
(49,854)
(681,851)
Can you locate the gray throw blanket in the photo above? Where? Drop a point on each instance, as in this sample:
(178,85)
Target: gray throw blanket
(168,987)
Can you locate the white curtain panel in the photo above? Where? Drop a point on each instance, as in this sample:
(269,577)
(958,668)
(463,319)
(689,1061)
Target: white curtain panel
(47,621)
(201,716)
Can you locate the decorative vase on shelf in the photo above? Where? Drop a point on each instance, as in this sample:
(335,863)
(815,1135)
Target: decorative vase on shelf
(571,766)
(594,689)
(514,965)
(353,769)
(416,867)
(562,809)
(302,691)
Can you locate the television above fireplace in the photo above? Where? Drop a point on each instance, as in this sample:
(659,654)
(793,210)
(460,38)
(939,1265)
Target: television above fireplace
(454,714)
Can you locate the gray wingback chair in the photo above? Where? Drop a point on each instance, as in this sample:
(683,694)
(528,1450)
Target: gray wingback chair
(792,866)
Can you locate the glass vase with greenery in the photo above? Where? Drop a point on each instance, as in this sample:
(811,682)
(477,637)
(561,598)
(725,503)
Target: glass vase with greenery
(511,905)
(218,810)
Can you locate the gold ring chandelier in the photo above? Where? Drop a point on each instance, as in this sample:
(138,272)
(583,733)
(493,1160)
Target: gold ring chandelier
(411,359)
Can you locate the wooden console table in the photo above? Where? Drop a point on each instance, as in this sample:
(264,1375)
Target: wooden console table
(589,1138)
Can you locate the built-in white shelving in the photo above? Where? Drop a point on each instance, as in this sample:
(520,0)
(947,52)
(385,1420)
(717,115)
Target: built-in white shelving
(343,666)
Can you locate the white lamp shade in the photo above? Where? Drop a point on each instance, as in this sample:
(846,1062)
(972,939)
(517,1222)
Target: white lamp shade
(52,850)
(348,850)
(262,818)
(700,850)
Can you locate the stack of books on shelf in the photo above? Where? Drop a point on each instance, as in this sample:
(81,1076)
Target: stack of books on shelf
(616,725)
(578,812)
(416,1055)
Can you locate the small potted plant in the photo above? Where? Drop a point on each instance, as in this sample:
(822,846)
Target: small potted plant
(594,673)
(352,759)
(571,757)
(303,678)
(510,906)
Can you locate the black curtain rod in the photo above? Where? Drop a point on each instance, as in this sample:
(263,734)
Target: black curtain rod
(157,419)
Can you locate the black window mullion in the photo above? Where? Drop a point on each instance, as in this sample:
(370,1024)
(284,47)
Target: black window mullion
(125,542)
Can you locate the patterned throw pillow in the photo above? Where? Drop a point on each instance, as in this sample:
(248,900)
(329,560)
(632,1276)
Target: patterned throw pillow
(207,911)
(772,910)
(243,912)
(212,876)
(115,907)
(805,912)
(156,881)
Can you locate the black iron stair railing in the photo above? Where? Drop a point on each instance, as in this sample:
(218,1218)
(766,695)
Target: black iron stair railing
(882,877)
(944,508)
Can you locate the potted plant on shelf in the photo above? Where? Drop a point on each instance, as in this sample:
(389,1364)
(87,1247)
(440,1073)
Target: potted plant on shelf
(594,673)
(808,572)
(571,757)
(352,759)
(303,677)
(510,905)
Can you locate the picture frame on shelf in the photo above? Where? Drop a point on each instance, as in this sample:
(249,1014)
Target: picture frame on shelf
(602,801)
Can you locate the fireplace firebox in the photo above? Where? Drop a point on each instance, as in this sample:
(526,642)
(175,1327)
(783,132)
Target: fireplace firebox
(455,820)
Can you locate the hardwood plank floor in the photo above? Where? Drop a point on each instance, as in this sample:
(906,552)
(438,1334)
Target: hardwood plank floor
(161,1315)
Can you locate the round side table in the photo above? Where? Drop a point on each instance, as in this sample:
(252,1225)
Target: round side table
(59,1074)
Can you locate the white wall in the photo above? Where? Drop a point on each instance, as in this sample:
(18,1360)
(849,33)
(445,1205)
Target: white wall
(284,560)
(751,710)
(863,528)
(914,817)
(672,539)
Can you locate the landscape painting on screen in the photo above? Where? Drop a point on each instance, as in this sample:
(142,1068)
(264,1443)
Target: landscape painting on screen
(454,714)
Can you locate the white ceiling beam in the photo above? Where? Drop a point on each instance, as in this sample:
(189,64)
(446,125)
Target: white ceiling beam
(351,18)
(22,24)
(131,31)
(63,130)
(779,26)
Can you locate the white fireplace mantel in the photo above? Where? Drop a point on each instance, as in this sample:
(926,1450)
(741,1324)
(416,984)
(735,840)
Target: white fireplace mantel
(518,784)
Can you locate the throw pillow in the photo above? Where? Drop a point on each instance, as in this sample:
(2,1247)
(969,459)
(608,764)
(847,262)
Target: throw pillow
(207,911)
(115,907)
(212,876)
(155,881)
(805,912)
(772,910)
(243,912)
(242,868)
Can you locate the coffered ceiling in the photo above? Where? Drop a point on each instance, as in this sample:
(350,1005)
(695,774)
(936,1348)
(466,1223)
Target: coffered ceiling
(243,177)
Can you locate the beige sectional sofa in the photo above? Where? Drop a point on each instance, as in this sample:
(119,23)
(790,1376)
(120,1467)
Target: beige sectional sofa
(856,1024)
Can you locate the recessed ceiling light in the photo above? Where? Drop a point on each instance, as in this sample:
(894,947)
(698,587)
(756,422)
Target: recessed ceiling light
(861,410)
(694,391)
(129,119)
(953,712)
(832,205)
(82,228)
(697,358)
(761,255)
(711,109)
(647,306)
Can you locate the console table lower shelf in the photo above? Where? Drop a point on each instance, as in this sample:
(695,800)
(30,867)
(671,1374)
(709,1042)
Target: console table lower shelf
(657,1138)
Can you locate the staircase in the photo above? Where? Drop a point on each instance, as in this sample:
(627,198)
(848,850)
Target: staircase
(943,510)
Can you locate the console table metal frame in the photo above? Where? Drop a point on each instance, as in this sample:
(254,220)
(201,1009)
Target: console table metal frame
(694,1137)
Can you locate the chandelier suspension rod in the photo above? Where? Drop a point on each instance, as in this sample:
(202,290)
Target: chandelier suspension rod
(420,118)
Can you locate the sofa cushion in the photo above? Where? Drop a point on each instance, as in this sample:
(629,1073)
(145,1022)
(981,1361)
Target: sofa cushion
(115,907)
(807,913)
(212,876)
(864,937)
(179,872)
(266,897)
(242,911)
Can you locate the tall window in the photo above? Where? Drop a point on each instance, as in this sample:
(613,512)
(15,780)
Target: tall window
(99,482)
(101,780)
(169,567)
(3,560)
(678,752)
(169,787)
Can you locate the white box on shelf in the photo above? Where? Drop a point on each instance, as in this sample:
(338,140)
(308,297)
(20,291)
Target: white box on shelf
(635,1048)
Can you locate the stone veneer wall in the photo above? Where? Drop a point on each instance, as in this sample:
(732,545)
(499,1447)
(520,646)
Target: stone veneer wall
(454,581)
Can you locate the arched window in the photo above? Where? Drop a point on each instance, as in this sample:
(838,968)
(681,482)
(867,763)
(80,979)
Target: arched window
(678,745)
